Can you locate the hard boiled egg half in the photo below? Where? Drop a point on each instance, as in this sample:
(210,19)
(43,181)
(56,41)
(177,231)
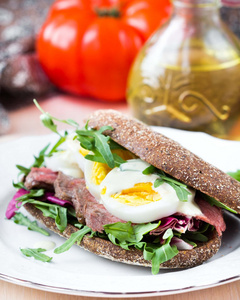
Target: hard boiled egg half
(131,196)
(125,191)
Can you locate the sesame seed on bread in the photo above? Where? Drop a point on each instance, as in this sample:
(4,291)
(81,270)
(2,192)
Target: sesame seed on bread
(169,156)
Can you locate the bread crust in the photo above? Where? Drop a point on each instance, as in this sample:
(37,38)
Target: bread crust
(106,249)
(169,156)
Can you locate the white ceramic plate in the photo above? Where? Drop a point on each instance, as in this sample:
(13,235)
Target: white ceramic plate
(79,272)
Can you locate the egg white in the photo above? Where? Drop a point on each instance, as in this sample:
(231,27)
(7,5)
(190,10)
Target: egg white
(93,188)
(129,174)
(72,162)
(69,161)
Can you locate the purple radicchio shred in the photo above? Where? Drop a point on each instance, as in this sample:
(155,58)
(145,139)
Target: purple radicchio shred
(180,244)
(51,198)
(179,223)
(13,204)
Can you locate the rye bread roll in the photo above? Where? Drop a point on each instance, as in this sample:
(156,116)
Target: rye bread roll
(169,156)
(175,160)
(184,259)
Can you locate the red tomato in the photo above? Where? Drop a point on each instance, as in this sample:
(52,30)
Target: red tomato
(86,47)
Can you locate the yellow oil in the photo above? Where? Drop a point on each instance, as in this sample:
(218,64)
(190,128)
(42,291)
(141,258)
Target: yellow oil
(200,95)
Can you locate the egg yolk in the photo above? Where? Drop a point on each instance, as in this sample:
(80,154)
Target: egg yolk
(139,194)
(124,154)
(100,170)
(83,151)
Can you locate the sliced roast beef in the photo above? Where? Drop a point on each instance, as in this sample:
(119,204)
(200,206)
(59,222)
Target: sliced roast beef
(95,215)
(66,186)
(74,190)
(40,178)
(87,209)
(211,214)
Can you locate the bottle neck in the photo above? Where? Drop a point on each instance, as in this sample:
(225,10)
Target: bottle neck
(196,7)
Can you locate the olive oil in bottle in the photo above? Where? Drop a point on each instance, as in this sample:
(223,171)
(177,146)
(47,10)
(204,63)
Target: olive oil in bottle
(187,75)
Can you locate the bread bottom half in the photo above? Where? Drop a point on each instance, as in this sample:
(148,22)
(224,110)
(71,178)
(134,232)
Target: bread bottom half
(106,249)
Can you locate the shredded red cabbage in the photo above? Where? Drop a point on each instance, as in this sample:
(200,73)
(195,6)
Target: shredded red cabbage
(181,245)
(51,198)
(179,223)
(13,204)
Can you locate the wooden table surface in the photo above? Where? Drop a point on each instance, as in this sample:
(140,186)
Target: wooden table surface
(25,121)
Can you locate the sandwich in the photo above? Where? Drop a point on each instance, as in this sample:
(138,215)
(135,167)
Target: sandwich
(127,193)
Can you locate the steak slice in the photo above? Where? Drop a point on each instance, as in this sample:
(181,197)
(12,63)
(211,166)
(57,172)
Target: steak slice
(89,211)
(96,216)
(66,186)
(211,214)
(40,178)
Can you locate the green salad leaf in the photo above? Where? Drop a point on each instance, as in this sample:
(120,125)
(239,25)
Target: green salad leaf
(39,160)
(36,253)
(157,254)
(48,120)
(214,202)
(126,235)
(54,211)
(20,219)
(235,175)
(75,237)
(101,146)
(179,187)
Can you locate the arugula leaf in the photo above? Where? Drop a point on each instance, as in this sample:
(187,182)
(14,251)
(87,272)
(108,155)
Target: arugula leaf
(159,254)
(61,217)
(23,170)
(39,160)
(36,253)
(196,236)
(199,235)
(75,237)
(31,194)
(149,170)
(98,143)
(19,185)
(90,139)
(54,211)
(48,120)
(85,142)
(142,229)
(118,160)
(95,157)
(181,191)
(235,175)
(159,181)
(179,187)
(214,202)
(121,231)
(61,140)
(20,219)
(126,234)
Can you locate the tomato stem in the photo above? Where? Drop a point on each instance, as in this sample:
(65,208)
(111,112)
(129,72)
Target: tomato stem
(108,12)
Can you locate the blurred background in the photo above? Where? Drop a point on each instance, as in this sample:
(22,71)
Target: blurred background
(35,36)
